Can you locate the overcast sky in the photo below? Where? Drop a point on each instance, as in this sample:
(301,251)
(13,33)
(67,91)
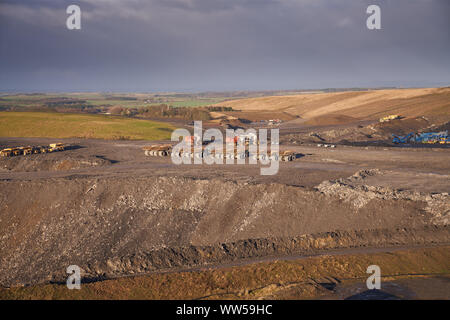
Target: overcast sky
(218,45)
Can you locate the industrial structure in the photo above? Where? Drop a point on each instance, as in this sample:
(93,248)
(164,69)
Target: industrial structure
(428,137)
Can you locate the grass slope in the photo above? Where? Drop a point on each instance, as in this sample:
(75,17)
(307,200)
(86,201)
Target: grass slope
(62,125)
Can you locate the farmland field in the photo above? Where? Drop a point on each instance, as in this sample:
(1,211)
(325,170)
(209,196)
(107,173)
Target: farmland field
(107,100)
(58,125)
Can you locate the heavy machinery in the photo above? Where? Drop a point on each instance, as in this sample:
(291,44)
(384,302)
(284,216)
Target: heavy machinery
(428,137)
(6,152)
(42,149)
(27,150)
(158,150)
(18,151)
(9,152)
(56,147)
(444,140)
(288,155)
(283,156)
(431,137)
(165,150)
(389,118)
(402,139)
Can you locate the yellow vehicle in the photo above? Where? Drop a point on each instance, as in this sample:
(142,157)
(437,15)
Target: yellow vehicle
(389,118)
(27,150)
(288,155)
(56,147)
(283,156)
(17,151)
(43,149)
(6,152)
(444,140)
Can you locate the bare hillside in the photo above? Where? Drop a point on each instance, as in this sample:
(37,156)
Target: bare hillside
(370,105)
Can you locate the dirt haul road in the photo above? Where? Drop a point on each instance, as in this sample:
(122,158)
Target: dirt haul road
(109,209)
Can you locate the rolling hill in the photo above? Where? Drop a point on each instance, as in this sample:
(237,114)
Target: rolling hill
(350,105)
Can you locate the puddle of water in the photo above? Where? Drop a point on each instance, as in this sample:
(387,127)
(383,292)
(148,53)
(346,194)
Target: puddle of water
(401,289)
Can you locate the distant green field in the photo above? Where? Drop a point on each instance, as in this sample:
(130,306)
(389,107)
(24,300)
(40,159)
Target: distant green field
(62,125)
(121,103)
(194,103)
(99,99)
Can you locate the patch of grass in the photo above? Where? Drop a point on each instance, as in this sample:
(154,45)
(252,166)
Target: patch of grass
(62,125)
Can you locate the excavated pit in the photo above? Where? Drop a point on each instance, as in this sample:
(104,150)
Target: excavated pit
(116,226)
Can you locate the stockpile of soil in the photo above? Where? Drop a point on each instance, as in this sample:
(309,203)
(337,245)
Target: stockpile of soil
(119,226)
(354,191)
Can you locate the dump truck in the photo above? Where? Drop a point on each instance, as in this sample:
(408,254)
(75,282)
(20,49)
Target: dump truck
(287,155)
(403,139)
(6,152)
(28,150)
(158,150)
(17,151)
(56,147)
(43,149)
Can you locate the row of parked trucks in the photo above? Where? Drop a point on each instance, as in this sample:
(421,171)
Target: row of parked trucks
(164,150)
(19,151)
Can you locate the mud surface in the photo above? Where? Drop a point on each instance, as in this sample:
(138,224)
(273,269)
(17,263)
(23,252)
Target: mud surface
(125,214)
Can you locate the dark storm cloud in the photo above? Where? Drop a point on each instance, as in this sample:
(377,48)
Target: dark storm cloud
(137,45)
